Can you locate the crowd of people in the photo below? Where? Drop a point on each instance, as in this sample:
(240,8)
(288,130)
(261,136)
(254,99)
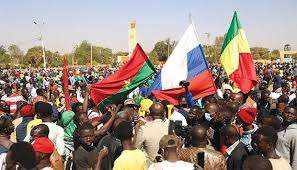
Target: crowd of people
(227,130)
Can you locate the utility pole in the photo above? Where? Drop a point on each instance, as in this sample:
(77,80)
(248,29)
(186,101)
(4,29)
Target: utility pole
(91,55)
(41,40)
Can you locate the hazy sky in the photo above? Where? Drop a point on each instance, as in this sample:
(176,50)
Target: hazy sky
(268,23)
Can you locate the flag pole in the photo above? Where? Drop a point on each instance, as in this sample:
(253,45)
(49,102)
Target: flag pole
(193,25)
(65,84)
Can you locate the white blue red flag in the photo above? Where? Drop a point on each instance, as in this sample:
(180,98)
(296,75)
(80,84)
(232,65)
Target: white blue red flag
(187,62)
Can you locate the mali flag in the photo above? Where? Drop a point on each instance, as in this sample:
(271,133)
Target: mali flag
(237,59)
(115,88)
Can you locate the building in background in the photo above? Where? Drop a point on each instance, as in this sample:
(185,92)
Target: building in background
(132,37)
(132,41)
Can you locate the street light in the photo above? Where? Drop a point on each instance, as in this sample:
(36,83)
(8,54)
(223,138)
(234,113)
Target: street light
(41,39)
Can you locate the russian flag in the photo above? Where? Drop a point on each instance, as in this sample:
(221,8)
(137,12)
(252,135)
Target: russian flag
(187,62)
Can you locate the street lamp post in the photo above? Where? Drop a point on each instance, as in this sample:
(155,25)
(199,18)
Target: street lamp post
(42,43)
(91,55)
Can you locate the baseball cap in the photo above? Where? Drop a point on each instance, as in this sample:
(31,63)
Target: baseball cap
(168,141)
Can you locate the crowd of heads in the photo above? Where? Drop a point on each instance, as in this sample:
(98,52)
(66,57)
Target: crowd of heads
(226,130)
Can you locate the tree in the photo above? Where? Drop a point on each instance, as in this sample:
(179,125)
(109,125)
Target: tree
(213,52)
(54,59)
(274,54)
(5,59)
(16,54)
(162,50)
(34,57)
(260,53)
(82,54)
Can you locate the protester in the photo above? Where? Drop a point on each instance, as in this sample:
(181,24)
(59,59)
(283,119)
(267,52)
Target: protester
(147,137)
(43,148)
(245,119)
(131,157)
(44,111)
(131,132)
(113,144)
(168,147)
(6,128)
(38,131)
(212,159)
(256,162)
(85,155)
(20,155)
(236,151)
(286,144)
(265,140)
(27,114)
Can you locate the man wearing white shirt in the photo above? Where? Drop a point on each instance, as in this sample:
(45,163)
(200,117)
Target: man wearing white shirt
(168,146)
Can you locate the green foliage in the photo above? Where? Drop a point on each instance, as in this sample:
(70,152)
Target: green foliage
(5,59)
(264,53)
(82,54)
(213,52)
(260,53)
(54,59)
(16,54)
(33,57)
(162,50)
(274,54)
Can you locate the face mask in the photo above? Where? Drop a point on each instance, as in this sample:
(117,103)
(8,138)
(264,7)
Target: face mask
(207,116)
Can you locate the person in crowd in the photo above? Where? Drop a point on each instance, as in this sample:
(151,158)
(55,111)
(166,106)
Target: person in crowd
(131,157)
(196,116)
(264,142)
(168,149)
(21,155)
(270,120)
(212,159)
(238,97)
(41,96)
(27,114)
(69,126)
(13,95)
(93,113)
(147,137)
(6,128)
(38,131)
(245,119)
(113,144)
(43,148)
(264,103)
(236,151)
(102,154)
(213,117)
(84,156)
(286,144)
(56,134)
(256,162)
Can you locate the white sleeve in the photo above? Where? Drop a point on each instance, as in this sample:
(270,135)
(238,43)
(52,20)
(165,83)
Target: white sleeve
(60,142)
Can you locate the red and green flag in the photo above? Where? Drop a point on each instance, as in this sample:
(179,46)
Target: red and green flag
(236,57)
(65,84)
(116,87)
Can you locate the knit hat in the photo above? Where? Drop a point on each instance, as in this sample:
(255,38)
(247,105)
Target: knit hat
(27,110)
(247,115)
(43,145)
